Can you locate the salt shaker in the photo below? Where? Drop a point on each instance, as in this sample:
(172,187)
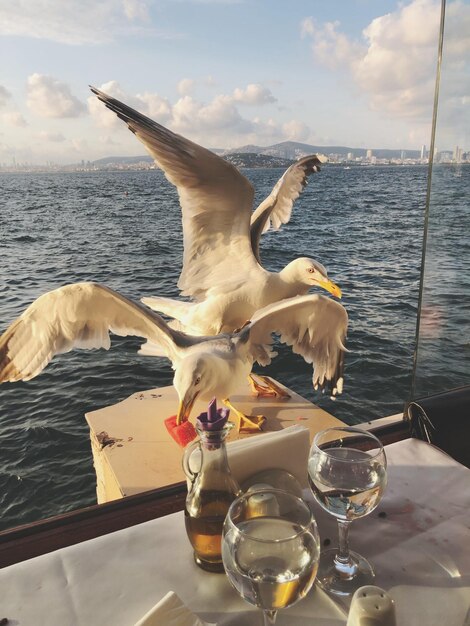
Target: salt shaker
(371,606)
(260,503)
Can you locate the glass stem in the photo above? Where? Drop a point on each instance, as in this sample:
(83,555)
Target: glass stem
(343,562)
(343,531)
(269,617)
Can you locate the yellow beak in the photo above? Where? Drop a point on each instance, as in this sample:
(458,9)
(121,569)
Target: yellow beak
(331,287)
(184,409)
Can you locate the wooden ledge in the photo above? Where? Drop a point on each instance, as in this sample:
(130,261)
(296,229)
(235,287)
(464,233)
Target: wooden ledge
(30,540)
(132,428)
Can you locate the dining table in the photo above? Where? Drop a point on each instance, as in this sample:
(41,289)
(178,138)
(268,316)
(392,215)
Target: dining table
(418,540)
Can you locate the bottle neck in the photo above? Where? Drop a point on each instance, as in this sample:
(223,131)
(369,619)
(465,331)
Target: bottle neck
(214,474)
(213,448)
(215,458)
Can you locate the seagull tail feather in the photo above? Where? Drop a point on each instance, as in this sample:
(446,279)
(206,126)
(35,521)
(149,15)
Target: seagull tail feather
(151,349)
(173,308)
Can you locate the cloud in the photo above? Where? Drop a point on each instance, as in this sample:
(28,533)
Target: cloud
(48,97)
(49,136)
(220,124)
(10,116)
(5,95)
(155,106)
(394,64)
(136,10)
(217,123)
(330,47)
(185,86)
(79,145)
(150,104)
(296,131)
(254,94)
(106,140)
(210,81)
(6,151)
(307,27)
(75,23)
(99,113)
(219,114)
(216,1)
(14,118)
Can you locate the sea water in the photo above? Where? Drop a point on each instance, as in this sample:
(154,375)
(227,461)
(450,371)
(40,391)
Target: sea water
(123,229)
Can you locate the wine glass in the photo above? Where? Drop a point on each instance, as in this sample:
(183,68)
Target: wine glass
(347,471)
(270,549)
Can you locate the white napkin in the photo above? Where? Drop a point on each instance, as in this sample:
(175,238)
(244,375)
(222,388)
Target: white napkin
(285,449)
(171,611)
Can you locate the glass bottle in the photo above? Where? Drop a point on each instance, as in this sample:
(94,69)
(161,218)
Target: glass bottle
(213,489)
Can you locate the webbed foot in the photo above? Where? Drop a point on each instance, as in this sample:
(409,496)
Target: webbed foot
(266,388)
(245,423)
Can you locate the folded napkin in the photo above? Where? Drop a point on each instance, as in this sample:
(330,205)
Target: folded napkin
(285,449)
(171,611)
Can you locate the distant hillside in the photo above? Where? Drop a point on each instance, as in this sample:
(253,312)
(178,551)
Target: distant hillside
(277,155)
(239,159)
(295,149)
(286,149)
(123,160)
(250,159)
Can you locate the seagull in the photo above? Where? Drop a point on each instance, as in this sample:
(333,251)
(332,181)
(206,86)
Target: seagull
(82,315)
(222,272)
(276,209)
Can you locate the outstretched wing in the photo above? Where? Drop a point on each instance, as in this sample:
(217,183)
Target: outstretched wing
(216,202)
(276,209)
(77,316)
(315,326)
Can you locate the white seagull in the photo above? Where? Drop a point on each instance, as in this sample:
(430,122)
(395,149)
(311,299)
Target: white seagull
(82,315)
(221,270)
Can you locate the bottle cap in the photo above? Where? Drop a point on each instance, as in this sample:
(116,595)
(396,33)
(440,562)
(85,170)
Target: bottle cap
(214,418)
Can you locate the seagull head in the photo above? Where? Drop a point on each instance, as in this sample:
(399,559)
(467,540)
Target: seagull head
(194,377)
(310,273)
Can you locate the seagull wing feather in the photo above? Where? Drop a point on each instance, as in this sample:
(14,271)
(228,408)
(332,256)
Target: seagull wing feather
(216,202)
(276,209)
(80,315)
(314,325)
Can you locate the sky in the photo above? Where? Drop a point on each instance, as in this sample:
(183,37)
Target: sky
(226,73)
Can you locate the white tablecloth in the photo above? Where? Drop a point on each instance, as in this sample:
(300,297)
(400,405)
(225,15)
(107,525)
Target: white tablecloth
(418,540)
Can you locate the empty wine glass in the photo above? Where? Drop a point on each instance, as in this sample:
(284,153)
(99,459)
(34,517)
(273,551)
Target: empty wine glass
(270,549)
(347,471)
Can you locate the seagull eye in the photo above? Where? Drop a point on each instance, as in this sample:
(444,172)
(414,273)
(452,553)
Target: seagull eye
(311,270)
(197,381)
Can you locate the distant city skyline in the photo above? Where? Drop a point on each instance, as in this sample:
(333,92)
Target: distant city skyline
(279,155)
(228,73)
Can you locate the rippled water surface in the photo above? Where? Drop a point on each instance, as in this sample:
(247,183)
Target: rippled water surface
(364,224)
